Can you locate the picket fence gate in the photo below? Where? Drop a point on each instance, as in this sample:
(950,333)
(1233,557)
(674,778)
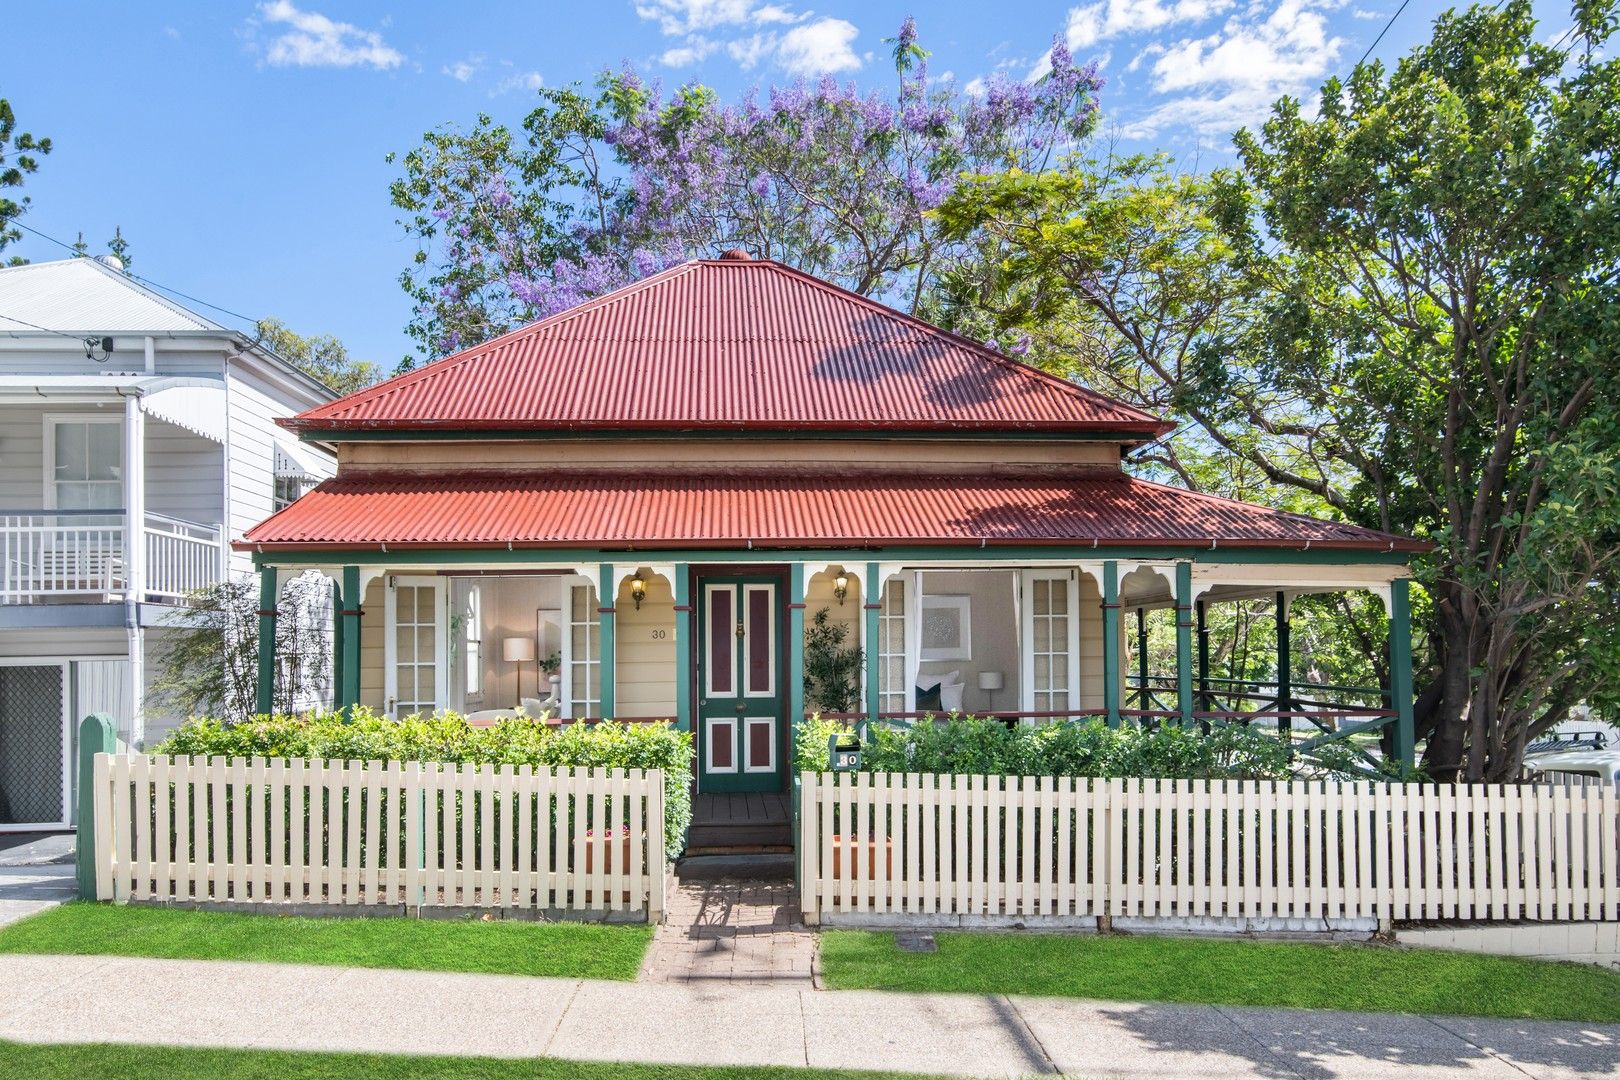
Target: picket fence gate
(924,845)
(277,831)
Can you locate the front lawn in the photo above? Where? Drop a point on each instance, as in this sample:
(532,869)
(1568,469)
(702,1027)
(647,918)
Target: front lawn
(164,1062)
(566,950)
(1200,970)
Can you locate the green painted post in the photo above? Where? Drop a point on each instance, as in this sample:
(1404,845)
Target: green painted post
(264,701)
(1144,697)
(607,593)
(1205,704)
(872,597)
(1285,667)
(795,672)
(337,647)
(683,648)
(351,636)
(1111,670)
(1400,669)
(97,735)
(1184,665)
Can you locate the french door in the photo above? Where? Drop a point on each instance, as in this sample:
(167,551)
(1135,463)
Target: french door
(742,714)
(416,646)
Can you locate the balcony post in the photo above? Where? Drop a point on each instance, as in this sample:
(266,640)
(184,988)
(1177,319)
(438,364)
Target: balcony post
(607,592)
(1205,704)
(135,560)
(337,646)
(1285,664)
(683,647)
(1144,697)
(795,671)
(265,699)
(349,688)
(872,602)
(1111,669)
(1400,669)
(1184,667)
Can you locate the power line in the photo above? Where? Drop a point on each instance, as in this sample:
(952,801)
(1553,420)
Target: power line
(145,281)
(1382,32)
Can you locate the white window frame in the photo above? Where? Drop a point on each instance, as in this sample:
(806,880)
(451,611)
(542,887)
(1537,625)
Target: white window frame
(441,639)
(472,642)
(54,420)
(892,629)
(575,699)
(1026,623)
(744,745)
(735,723)
(709,590)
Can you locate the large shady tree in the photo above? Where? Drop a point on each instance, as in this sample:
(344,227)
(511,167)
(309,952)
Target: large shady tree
(1403,308)
(596,191)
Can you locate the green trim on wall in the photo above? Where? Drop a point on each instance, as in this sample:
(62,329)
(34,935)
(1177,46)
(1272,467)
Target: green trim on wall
(264,700)
(1184,663)
(683,648)
(607,595)
(1111,673)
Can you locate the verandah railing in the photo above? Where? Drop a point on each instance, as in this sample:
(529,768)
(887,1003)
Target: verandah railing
(274,831)
(54,554)
(925,846)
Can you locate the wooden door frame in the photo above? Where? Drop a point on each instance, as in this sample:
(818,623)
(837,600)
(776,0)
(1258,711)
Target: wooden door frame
(780,577)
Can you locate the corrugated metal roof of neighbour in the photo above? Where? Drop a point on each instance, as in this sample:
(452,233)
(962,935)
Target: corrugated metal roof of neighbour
(769,508)
(81,296)
(730,344)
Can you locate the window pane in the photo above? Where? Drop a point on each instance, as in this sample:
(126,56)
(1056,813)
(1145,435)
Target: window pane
(72,455)
(102,441)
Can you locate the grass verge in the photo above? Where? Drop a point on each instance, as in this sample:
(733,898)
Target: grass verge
(1361,978)
(62,1062)
(566,950)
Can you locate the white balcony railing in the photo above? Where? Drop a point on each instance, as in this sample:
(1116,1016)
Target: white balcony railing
(48,555)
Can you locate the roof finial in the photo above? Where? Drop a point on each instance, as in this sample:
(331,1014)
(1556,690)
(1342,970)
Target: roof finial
(736,255)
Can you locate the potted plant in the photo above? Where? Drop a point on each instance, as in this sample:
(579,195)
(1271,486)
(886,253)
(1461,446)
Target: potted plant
(550,666)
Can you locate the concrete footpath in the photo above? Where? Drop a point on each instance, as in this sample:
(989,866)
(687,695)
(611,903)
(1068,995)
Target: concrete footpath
(228,1004)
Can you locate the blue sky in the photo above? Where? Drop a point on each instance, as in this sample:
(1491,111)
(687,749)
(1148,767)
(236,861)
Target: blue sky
(241,145)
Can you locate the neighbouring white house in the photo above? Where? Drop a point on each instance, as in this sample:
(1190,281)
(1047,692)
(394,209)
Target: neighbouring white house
(124,474)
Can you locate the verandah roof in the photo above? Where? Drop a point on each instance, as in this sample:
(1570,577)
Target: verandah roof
(773,509)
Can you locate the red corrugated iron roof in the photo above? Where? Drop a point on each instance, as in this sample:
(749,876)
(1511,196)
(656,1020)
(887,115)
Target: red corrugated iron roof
(562,509)
(730,344)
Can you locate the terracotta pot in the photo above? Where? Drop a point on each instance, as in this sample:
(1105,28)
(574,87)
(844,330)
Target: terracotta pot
(618,857)
(870,846)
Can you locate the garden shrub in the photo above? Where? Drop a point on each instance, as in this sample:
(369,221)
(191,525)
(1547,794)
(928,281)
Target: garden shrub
(448,737)
(965,745)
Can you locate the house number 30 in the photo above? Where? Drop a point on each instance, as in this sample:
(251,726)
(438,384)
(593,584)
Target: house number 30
(659,635)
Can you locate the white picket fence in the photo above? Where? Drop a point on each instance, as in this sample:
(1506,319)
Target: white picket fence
(925,845)
(279,831)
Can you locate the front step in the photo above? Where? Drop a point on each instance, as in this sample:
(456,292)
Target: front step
(753,867)
(764,835)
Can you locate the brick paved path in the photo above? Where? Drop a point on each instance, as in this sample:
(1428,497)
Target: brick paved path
(734,931)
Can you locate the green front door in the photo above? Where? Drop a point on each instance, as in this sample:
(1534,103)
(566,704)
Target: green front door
(742,718)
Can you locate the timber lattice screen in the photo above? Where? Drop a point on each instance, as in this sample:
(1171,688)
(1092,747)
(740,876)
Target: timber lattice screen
(287,831)
(932,845)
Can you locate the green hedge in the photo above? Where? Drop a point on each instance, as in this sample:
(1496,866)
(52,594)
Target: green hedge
(986,746)
(448,737)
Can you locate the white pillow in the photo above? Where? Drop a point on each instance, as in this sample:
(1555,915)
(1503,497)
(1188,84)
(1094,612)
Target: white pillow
(950,696)
(533,706)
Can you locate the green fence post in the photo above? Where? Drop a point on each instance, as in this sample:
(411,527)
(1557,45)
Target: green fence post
(96,736)
(1111,670)
(1400,669)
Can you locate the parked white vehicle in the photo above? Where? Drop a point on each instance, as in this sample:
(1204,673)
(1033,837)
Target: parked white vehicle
(1604,765)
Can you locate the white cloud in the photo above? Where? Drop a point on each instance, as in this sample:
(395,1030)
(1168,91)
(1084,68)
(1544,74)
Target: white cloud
(696,48)
(975,87)
(524,80)
(1091,23)
(1230,78)
(1363,13)
(818,47)
(752,32)
(464,70)
(313,40)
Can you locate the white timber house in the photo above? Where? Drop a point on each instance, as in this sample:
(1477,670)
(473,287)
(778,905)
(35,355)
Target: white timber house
(125,472)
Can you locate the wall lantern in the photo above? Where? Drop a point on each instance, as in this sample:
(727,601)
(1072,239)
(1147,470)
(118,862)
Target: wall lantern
(638,590)
(841,588)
